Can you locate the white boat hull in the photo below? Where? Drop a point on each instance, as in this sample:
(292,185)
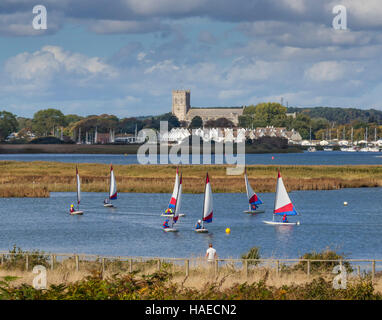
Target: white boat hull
(182,214)
(76,213)
(201,230)
(108,205)
(170,230)
(282,223)
(254,212)
(167,215)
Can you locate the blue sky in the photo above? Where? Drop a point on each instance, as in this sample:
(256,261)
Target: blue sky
(124,57)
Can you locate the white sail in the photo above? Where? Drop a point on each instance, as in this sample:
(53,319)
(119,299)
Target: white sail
(283,204)
(174,196)
(253,198)
(248,187)
(178,202)
(208,205)
(113,185)
(78,187)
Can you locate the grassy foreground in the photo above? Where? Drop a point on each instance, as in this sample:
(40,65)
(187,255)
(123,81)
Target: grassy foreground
(37,179)
(164,285)
(146,280)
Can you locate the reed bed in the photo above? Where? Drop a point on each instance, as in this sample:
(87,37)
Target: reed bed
(37,179)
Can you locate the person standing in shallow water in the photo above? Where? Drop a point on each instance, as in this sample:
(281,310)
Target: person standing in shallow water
(211,253)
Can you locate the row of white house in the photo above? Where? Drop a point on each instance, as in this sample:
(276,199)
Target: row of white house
(177,135)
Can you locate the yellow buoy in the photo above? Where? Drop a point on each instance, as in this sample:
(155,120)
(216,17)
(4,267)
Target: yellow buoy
(228,230)
(345,203)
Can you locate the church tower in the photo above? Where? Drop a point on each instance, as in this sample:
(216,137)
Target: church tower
(180,103)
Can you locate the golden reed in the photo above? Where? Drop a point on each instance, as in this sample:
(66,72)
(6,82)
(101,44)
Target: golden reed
(37,179)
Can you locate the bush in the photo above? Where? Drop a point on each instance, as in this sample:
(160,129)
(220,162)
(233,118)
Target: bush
(253,253)
(46,140)
(17,259)
(322,266)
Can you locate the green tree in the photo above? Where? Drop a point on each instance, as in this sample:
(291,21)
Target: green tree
(44,121)
(24,123)
(196,123)
(269,111)
(72,118)
(8,124)
(219,123)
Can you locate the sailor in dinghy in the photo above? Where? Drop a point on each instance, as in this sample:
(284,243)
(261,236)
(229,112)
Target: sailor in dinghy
(169,212)
(175,218)
(253,198)
(283,205)
(112,190)
(78,211)
(207,207)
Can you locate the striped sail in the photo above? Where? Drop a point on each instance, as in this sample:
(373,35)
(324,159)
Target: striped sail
(207,208)
(283,205)
(253,198)
(174,196)
(177,208)
(78,187)
(113,185)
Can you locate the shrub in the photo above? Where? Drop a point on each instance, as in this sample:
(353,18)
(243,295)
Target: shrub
(253,253)
(322,266)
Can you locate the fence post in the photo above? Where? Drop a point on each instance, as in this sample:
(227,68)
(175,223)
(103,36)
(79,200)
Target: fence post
(158,264)
(77,263)
(246,269)
(51,262)
(2,259)
(372,270)
(277,267)
(103,265)
(131,265)
(359,271)
(216,267)
(26,262)
(187,266)
(308,268)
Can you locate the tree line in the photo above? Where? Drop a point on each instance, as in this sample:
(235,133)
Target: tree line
(315,123)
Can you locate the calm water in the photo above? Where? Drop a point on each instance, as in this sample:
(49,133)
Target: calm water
(134,228)
(307,158)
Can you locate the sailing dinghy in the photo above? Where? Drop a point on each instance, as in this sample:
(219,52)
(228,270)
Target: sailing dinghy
(207,206)
(283,204)
(253,198)
(171,206)
(78,211)
(177,206)
(112,191)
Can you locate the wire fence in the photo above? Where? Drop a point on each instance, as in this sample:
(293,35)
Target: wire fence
(87,262)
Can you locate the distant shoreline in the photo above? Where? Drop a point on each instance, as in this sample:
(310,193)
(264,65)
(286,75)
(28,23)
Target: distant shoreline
(112,149)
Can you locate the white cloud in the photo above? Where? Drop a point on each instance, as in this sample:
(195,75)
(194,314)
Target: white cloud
(52,60)
(326,71)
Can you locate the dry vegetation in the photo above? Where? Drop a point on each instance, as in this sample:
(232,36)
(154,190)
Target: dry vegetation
(37,179)
(146,282)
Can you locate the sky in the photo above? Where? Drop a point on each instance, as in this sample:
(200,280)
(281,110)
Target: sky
(124,57)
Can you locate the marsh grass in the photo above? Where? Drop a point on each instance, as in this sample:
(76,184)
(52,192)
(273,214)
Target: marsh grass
(37,179)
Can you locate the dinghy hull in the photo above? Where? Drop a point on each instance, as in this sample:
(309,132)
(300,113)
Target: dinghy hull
(108,205)
(282,223)
(167,215)
(182,214)
(254,212)
(76,213)
(201,230)
(170,230)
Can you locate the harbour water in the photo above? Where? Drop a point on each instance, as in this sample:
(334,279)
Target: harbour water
(133,228)
(305,158)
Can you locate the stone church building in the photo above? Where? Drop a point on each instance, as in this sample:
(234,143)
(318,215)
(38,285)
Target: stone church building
(181,108)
